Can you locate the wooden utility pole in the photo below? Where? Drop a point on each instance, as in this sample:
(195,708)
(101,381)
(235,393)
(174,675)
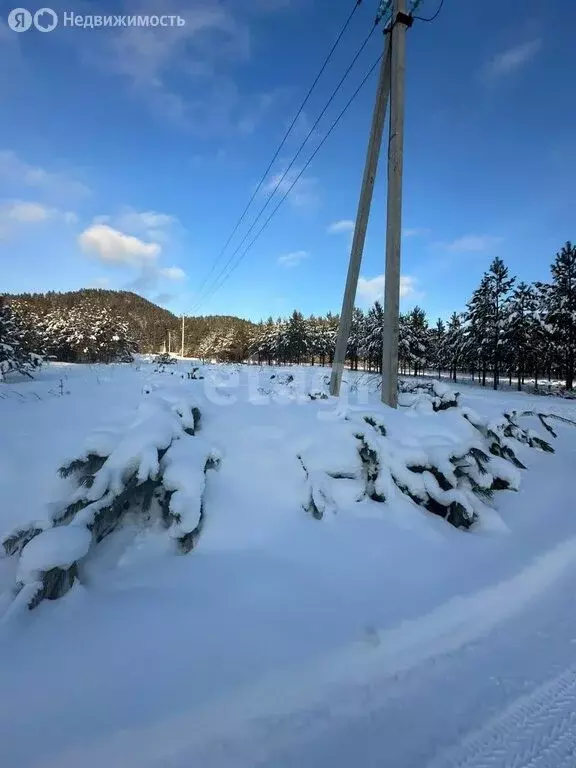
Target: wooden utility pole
(400,21)
(182,351)
(362,215)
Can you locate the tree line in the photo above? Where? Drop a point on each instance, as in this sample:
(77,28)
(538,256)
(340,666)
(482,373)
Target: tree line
(509,328)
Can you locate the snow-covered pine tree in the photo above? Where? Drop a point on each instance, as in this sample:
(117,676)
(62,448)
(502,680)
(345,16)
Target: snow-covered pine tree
(372,342)
(454,343)
(87,334)
(14,357)
(479,317)
(296,338)
(405,343)
(437,347)
(418,339)
(521,327)
(355,339)
(500,284)
(560,308)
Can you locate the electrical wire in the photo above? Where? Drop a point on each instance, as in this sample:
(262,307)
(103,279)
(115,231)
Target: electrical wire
(430,18)
(292,185)
(325,63)
(283,176)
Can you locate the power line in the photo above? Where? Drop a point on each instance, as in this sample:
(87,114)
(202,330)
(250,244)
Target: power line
(312,156)
(430,18)
(284,139)
(278,183)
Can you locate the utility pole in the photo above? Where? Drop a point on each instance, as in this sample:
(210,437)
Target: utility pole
(362,215)
(400,22)
(169,341)
(182,352)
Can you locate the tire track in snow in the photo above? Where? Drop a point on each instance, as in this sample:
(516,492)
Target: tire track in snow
(537,731)
(296,703)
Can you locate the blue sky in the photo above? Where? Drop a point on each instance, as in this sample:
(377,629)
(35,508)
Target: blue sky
(126,155)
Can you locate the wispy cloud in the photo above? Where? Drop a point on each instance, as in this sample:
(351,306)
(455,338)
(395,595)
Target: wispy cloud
(337,227)
(471,243)
(512,59)
(415,232)
(305,193)
(185,74)
(19,215)
(152,225)
(55,185)
(371,289)
(172,273)
(293,259)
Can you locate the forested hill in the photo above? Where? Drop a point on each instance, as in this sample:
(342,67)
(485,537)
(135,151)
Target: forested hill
(149,324)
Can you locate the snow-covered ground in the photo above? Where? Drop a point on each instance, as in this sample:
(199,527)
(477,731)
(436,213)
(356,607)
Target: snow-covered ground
(377,636)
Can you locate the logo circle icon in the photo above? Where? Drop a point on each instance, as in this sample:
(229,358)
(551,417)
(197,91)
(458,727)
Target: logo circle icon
(45,20)
(20,20)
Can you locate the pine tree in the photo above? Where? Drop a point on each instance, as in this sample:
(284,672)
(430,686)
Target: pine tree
(14,357)
(477,333)
(521,327)
(499,284)
(372,344)
(560,298)
(418,339)
(486,320)
(437,346)
(454,344)
(355,340)
(296,337)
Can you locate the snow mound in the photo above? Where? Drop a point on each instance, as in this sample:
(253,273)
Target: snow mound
(449,460)
(54,548)
(184,476)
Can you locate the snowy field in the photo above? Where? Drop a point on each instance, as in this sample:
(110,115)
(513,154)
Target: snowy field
(379,635)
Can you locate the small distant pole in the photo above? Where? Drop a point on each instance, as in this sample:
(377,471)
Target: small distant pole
(182,353)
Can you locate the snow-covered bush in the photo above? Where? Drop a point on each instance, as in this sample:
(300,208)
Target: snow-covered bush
(15,357)
(164,359)
(451,475)
(440,396)
(154,470)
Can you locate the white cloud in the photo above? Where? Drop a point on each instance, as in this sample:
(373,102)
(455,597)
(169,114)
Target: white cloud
(293,259)
(415,232)
(172,273)
(151,225)
(55,185)
(370,289)
(304,194)
(111,246)
(472,243)
(512,59)
(28,212)
(18,215)
(344,225)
